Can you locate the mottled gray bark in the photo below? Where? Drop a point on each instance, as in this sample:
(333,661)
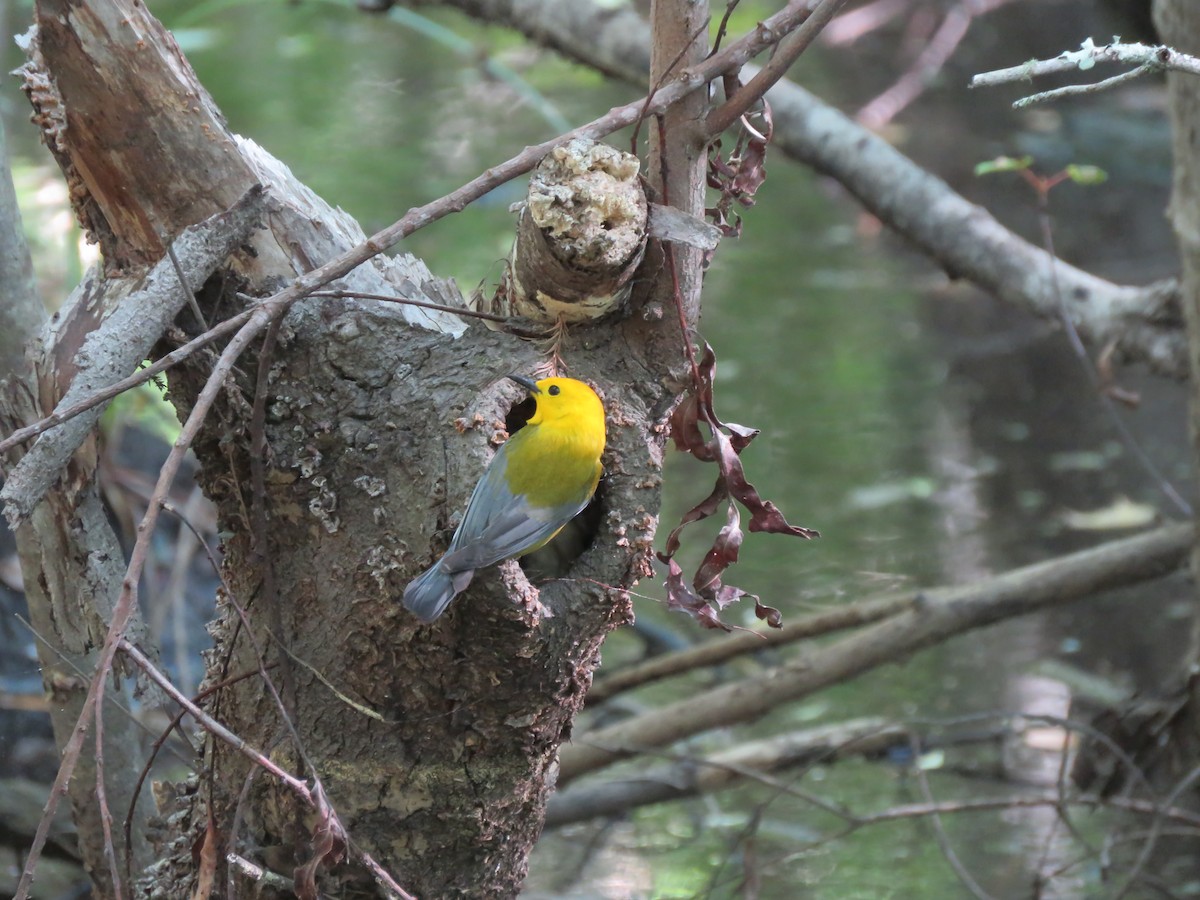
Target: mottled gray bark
(21,313)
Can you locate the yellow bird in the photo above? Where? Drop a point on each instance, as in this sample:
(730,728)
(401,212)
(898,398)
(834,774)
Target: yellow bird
(539,480)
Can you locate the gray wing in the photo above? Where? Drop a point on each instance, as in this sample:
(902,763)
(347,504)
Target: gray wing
(498,525)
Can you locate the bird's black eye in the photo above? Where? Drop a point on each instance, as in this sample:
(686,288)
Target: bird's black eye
(554,390)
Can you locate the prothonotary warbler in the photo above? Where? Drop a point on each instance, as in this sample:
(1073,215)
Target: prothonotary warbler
(539,480)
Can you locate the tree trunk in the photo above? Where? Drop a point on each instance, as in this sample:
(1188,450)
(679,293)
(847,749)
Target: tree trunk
(1178,23)
(68,551)
(339,456)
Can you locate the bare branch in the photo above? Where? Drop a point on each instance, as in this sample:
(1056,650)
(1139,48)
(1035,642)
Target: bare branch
(717,771)
(942,614)
(1158,58)
(788,52)
(712,653)
(928,64)
(141,376)
(212,725)
(730,59)
(1076,90)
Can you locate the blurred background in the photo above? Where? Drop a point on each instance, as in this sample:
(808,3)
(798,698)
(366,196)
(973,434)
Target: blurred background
(933,435)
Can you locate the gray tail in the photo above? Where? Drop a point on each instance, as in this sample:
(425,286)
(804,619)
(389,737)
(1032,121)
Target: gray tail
(428,595)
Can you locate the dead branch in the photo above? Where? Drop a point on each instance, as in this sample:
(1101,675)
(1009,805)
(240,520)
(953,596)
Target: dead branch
(941,614)
(65,414)
(928,64)
(342,263)
(22,313)
(753,759)
(724,649)
(786,53)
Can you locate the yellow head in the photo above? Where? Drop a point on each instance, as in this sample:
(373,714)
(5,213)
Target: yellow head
(564,402)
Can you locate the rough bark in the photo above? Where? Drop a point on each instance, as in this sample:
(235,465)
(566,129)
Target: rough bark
(136,312)
(1178,23)
(581,235)
(68,552)
(374,433)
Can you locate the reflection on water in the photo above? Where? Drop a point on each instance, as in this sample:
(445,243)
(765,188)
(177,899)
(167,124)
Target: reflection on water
(933,436)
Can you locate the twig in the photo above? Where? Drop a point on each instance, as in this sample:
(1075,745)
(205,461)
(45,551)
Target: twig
(732,58)
(141,376)
(423,304)
(1087,56)
(786,53)
(123,339)
(212,725)
(126,602)
(939,832)
(235,825)
(1185,784)
(689,775)
(852,25)
(1075,90)
(1147,59)
(188,297)
(110,849)
(260,875)
(1042,186)
(736,55)
(156,746)
(931,60)
(1144,322)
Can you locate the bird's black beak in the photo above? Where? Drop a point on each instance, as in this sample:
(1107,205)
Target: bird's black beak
(528,383)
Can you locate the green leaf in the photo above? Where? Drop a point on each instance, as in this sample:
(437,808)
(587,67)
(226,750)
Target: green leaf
(1086,174)
(1003,164)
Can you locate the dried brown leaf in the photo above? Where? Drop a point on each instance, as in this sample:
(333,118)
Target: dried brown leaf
(205,853)
(707,593)
(681,598)
(722,554)
(773,617)
(329,842)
